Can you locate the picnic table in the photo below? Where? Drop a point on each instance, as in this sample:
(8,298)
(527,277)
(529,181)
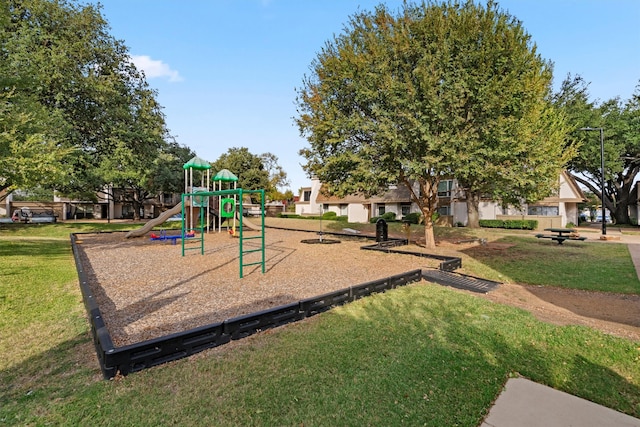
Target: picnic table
(560,235)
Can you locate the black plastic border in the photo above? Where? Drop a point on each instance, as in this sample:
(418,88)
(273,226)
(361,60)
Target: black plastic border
(136,357)
(449,263)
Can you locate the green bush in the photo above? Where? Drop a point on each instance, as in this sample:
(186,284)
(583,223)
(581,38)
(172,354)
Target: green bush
(389,216)
(413,217)
(342,218)
(287,215)
(329,215)
(513,224)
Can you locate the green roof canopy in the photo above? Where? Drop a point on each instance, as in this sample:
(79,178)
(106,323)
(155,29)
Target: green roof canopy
(197,163)
(225,175)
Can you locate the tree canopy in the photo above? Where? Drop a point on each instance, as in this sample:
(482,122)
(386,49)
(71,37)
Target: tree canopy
(248,167)
(440,90)
(75,97)
(620,121)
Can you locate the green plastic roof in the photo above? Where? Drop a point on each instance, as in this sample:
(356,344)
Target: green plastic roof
(197,163)
(225,175)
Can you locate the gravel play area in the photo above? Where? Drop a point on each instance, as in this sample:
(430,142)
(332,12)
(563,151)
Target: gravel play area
(147,289)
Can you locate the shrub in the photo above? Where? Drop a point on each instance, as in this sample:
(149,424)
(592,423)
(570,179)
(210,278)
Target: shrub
(374,219)
(389,216)
(342,218)
(513,224)
(413,218)
(329,215)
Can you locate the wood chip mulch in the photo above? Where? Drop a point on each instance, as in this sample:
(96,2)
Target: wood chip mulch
(146,289)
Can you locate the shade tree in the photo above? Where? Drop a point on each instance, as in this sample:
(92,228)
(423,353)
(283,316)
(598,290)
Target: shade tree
(437,90)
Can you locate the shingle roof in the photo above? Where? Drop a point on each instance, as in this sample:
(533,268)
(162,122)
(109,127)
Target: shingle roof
(397,195)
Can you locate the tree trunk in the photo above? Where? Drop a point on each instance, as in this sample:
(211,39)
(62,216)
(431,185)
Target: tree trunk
(473,214)
(136,207)
(621,212)
(426,197)
(429,237)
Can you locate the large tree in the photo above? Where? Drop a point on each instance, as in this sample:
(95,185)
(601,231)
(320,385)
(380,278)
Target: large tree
(620,121)
(277,177)
(248,167)
(144,176)
(60,57)
(439,90)
(30,152)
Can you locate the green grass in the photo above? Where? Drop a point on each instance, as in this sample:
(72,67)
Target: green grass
(587,266)
(577,265)
(419,355)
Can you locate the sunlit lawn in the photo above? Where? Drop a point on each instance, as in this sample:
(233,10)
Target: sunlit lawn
(419,355)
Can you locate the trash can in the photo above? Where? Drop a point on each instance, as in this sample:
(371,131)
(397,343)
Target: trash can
(382,230)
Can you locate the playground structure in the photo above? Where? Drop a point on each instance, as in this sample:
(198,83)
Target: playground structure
(195,207)
(199,228)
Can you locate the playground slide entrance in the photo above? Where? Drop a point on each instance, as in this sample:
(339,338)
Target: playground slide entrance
(155,222)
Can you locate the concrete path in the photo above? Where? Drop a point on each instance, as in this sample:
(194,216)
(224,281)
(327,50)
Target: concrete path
(524,403)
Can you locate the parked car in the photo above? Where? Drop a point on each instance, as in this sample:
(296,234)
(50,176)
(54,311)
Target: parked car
(176,217)
(27,215)
(607,218)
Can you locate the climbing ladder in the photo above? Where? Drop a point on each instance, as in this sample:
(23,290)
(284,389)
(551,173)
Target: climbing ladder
(243,239)
(199,228)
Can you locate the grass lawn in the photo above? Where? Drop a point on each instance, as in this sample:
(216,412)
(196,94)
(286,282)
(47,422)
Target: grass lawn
(419,355)
(578,265)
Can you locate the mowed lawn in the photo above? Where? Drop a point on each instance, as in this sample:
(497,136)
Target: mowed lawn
(418,355)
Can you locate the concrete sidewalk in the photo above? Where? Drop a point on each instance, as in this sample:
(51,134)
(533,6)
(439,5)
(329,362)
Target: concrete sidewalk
(524,403)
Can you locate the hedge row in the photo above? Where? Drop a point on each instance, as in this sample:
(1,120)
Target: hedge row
(517,224)
(327,215)
(412,218)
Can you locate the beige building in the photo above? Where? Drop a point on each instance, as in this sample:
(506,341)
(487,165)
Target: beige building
(555,211)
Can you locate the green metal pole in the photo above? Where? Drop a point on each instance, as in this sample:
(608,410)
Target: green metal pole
(240,230)
(262,230)
(183,223)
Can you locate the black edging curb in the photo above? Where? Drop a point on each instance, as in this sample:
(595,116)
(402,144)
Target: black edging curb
(449,263)
(136,357)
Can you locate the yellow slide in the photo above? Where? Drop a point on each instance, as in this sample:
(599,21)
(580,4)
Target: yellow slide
(154,222)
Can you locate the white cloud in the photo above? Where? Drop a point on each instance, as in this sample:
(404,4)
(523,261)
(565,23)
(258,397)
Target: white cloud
(155,68)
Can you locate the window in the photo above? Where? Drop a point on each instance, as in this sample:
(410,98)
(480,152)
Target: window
(306,195)
(444,210)
(543,210)
(445,187)
(344,210)
(381,209)
(405,209)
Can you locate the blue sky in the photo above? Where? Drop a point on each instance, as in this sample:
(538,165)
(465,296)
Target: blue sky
(226,70)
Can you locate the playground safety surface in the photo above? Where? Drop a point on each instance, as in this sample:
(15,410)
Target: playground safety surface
(146,289)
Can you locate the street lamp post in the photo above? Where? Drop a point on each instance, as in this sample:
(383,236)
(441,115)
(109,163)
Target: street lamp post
(604,218)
